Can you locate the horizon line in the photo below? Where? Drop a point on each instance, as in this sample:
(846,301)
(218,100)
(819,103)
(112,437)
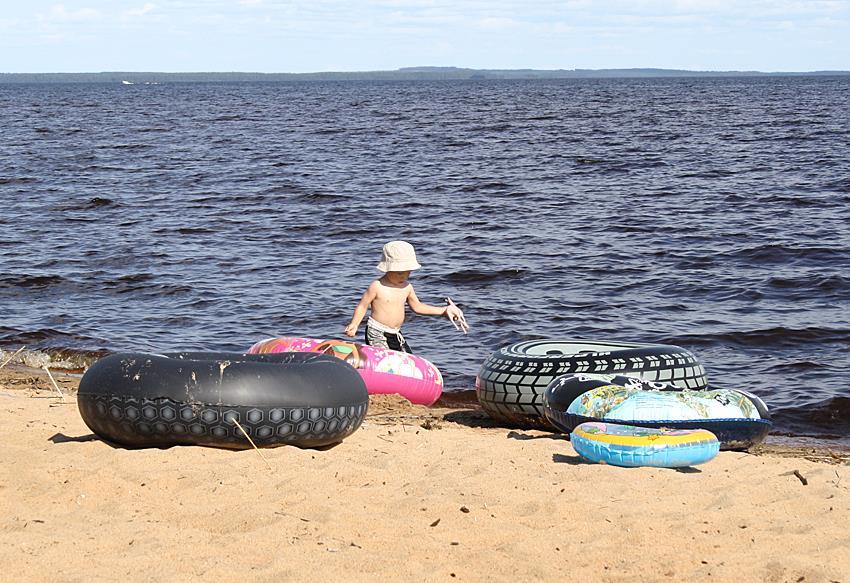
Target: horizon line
(433,69)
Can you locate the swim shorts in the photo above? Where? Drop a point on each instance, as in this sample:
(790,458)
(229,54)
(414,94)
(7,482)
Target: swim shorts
(381,336)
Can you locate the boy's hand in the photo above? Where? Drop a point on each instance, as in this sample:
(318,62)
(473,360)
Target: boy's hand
(350,330)
(455,316)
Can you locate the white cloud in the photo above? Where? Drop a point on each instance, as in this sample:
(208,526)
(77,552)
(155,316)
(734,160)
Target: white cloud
(9,23)
(250,2)
(58,13)
(425,18)
(144,10)
(752,9)
(497,23)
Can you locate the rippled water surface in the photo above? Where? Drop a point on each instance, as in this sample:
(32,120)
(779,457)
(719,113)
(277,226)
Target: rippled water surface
(708,213)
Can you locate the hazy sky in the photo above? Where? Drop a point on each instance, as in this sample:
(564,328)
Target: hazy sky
(358,35)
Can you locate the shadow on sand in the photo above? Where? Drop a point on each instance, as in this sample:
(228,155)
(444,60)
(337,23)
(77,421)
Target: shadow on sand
(62,438)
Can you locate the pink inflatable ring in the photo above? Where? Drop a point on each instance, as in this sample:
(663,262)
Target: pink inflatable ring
(384,371)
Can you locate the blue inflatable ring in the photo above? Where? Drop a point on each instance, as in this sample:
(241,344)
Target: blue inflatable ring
(738,419)
(630,446)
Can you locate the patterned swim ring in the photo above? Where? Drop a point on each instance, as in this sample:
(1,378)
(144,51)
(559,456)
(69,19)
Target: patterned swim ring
(739,419)
(630,446)
(383,370)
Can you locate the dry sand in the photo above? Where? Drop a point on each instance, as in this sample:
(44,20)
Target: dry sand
(416,494)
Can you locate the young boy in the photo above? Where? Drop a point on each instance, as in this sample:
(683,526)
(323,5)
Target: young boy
(388,295)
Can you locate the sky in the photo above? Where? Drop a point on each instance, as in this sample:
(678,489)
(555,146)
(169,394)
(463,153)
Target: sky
(297,36)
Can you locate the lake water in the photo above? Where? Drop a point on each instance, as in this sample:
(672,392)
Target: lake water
(707,213)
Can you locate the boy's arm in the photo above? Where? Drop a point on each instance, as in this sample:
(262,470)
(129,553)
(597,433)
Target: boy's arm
(360,310)
(451,311)
(423,308)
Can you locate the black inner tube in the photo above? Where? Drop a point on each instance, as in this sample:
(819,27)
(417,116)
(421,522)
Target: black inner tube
(305,399)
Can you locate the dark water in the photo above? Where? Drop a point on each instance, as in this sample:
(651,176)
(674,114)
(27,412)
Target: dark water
(707,213)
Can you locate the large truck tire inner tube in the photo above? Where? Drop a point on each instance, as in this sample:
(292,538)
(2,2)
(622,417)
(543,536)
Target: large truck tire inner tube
(511,382)
(214,399)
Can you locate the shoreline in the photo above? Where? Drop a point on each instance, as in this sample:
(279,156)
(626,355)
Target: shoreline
(416,493)
(462,405)
(75,362)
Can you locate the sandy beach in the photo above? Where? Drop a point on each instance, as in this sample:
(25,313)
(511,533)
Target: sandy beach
(416,494)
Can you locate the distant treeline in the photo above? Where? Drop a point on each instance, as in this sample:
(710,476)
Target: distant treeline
(408,73)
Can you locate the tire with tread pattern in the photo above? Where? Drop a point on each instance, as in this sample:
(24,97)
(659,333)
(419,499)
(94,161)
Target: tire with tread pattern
(511,382)
(220,399)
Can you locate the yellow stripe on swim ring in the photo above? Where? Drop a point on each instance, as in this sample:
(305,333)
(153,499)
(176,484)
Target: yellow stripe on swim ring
(643,436)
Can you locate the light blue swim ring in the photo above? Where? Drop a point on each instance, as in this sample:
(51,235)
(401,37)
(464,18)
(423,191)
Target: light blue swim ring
(631,446)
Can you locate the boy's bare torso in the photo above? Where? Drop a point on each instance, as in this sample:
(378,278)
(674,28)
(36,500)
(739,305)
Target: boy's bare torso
(389,302)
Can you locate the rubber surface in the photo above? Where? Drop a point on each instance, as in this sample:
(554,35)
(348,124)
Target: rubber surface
(144,400)
(629,446)
(512,380)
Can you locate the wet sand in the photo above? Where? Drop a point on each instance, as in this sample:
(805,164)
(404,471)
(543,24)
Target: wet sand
(416,494)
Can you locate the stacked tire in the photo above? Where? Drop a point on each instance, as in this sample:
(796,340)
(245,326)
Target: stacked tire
(511,382)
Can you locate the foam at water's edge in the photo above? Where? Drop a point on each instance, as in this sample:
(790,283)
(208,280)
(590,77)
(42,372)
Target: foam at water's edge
(64,359)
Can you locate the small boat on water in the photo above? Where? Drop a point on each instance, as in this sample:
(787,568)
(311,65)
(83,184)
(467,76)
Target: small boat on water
(127,83)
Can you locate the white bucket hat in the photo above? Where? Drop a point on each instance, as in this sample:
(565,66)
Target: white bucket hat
(398,256)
